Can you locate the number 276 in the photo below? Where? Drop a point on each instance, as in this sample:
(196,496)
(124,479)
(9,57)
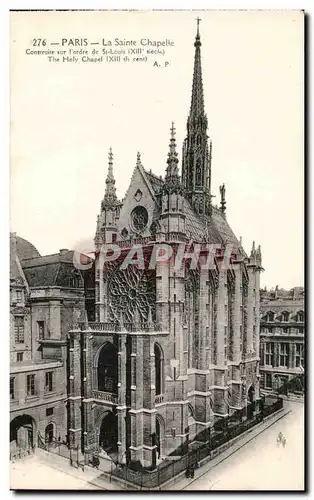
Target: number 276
(39,41)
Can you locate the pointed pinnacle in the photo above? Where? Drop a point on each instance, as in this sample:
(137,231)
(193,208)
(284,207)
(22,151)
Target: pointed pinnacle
(172,173)
(110,178)
(110,191)
(173,131)
(172,153)
(138,159)
(253,251)
(110,155)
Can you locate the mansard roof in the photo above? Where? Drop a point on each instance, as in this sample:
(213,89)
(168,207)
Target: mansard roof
(53,270)
(282,296)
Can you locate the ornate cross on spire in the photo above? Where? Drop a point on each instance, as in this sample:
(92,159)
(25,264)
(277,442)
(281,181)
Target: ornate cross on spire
(198,19)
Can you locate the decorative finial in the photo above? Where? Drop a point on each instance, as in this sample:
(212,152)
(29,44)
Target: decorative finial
(222,190)
(98,233)
(173,131)
(240,241)
(198,19)
(172,174)
(138,159)
(259,256)
(253,250)
(110,197)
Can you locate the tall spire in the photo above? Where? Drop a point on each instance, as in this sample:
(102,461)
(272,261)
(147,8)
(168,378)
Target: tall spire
(110,197)
(197,102)
(196,157)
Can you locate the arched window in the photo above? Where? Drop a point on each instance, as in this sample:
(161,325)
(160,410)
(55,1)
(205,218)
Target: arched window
(107,369)
(159,368)
(270,316)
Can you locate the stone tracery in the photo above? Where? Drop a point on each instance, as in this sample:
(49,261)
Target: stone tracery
(131,292)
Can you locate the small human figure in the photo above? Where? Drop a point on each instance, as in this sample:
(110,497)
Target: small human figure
(284,441)
(279,438)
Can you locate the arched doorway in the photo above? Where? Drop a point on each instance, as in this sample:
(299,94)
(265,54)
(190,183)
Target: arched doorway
(159,368)
(107,368)
(22,433)
(108,435)
(250,402)
(49,433)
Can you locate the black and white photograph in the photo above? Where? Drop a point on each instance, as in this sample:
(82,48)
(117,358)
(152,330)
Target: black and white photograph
(157,299)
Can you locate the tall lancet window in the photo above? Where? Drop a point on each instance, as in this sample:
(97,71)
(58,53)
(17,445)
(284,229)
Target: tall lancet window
(192,315)
(159,369)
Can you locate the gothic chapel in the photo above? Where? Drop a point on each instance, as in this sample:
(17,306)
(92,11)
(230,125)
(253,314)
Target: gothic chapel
(172,350)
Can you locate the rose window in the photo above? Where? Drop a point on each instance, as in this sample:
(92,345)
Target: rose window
(131,294)
(139,219)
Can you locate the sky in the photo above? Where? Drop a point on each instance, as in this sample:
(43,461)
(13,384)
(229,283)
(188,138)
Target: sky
(65,116)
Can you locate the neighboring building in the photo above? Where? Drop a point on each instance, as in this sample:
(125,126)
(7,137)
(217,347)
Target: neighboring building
(172,350)
(46,293)
(282,338)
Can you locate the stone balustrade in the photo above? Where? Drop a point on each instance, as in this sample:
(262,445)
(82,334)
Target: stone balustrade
(105,396)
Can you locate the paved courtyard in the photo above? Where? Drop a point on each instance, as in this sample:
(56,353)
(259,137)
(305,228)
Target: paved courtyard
(260,464)
(32,473)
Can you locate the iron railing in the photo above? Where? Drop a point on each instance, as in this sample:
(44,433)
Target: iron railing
(169,468)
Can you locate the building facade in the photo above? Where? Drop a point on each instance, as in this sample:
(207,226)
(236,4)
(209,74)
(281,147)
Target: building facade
(282,338)
(46,296)
(175,344)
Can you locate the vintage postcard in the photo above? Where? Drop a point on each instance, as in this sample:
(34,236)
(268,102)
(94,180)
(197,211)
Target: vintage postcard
(157,307)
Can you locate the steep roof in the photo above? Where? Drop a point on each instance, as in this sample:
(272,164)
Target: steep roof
(53,270)
(216,229)
(222,227)
(155,181)
(25,249)
(19,249)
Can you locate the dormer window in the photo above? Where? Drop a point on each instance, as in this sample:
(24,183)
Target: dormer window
(300,317)
(270,316)
(285,316)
